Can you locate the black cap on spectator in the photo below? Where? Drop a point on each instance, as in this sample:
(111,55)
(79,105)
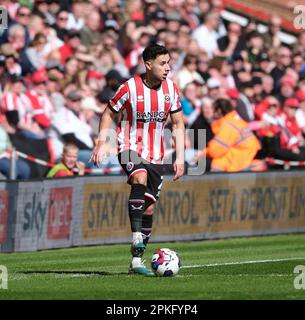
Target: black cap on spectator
(256,80)
(237,56)
(74,96)
(246,85)
(73,33)
(105,95)
(263,57)
(158,15)
(111,24)
(253,34)
(16,78)
(114,74)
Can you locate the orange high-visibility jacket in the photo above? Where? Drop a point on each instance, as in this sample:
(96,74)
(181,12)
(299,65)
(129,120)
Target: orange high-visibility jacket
(234,146)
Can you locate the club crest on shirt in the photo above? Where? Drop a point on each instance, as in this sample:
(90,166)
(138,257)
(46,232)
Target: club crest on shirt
(167,98)
(129,166)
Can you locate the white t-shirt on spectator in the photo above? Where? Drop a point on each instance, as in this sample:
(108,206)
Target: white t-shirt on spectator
(73,23)
(300,117)
(206,39)
(65,121)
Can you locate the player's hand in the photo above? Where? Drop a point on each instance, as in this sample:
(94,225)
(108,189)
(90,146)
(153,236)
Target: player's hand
(99,154)
(179,170)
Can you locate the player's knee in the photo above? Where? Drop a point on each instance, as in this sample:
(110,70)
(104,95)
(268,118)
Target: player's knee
(150,210)
(140,178)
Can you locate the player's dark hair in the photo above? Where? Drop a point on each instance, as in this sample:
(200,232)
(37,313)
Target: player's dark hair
(153,51)
(223,105)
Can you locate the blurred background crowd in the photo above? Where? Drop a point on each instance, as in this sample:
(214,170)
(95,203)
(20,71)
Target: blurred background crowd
(61,62)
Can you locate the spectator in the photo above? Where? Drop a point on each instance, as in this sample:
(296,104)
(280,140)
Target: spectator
(238,104)
(61,24)
(70,46)
(190,104)
(220,69)
(189,72)
(113,81)
(74,129)
(254,47)
(267,83)
(22,18)
(36,53)
(4,76)
(206,34)
(286,89)
(204,122)
(158,20)
(300,113)
(283,60)
(213,86)
(42,8)
(247,98)
(232,43)
(76,19)
(69,165)
(271,36)
(189,13)
(17,40)
(90,33)
(299,46)
(71,72)
(174,21)
(234,146)
(11,60)
(23,170)
(18,109)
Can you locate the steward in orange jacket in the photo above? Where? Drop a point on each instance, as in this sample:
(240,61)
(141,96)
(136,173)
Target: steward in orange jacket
(234,146)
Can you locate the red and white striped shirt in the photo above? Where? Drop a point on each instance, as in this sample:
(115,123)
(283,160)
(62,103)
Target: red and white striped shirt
(144,113)
(20,103)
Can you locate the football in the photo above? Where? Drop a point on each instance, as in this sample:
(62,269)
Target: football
(165,262)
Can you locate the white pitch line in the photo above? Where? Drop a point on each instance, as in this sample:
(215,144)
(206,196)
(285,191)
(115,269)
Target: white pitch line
(241,262)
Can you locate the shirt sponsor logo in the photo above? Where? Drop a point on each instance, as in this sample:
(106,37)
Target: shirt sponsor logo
(156,116)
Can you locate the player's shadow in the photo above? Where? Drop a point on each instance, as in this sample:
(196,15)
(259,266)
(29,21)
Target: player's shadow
(75,272)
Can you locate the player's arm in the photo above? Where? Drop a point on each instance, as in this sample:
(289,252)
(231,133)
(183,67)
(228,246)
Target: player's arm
(179,139)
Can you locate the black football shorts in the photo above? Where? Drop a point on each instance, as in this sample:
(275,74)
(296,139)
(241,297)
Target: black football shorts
(132,164)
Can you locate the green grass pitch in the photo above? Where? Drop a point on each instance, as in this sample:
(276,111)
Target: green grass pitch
(237,268)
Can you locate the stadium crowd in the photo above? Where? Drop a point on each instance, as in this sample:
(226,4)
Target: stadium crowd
(61,62)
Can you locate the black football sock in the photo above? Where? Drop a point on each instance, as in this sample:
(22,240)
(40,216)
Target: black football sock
(147,221)
(136,206)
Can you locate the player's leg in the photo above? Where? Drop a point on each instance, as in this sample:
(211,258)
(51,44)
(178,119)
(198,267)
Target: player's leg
(152,194)
(147,220)
(136,209)
(137,178)
(136,206)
